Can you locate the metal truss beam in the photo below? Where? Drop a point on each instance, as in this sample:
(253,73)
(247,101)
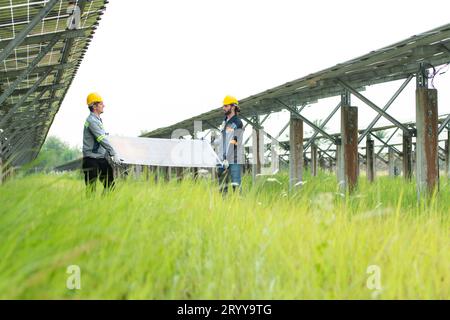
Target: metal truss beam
(387,141)
(25,31)
(388,104)
(444,124)
(259,127)
(373,106)
(322,126)
(309,123)
(30,68)
(41,38)
(385,144)
(15,73)
(24,97)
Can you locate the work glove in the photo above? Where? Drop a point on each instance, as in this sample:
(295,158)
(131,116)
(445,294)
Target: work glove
(116,161)
(225,164)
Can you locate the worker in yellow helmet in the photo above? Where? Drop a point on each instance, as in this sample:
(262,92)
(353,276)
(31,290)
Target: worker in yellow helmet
(96,147)
(230,146)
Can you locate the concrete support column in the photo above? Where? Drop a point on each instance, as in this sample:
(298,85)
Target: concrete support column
(313,160)
(296,151)
(167,173)
(340,164)
(194,173)
(1,168)
(214,170)
(427,168)
(407,157)
(391,162)
(447,155)
(257,151)
(370,159)
(138,171)
(179,172)
(349,147)
(275,159)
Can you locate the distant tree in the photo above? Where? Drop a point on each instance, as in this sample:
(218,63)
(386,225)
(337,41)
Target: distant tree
(55,152)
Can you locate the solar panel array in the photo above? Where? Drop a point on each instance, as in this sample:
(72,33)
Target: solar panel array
(36,72)
(394,62)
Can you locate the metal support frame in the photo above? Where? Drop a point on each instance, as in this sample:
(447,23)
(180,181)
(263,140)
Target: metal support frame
(322,126)
(388,104)
(386,143)
(262,121)
(373,105)
(29,69)
(25,31)
(25,97)
(444,124)
(305,120)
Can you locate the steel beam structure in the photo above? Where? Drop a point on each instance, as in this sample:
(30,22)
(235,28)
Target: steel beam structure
(305,120)
(25,31)
(372,105)
(29,69)
(388,104)
(322,126)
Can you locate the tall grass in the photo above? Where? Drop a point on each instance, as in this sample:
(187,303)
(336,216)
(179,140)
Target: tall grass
(182,240)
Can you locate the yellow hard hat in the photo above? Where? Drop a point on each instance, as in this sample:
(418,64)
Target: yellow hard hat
(93,97)
(230,100)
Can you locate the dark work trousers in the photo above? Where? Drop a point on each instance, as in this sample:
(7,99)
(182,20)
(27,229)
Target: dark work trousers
(98,169)
(224,175)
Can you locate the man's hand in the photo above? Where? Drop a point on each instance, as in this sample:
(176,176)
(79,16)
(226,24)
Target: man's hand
(234,142)
(225,164)
(116,161)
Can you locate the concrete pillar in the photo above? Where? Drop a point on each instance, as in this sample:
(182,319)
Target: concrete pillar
(194,171)
(427,168)
(340,164)
(137,171)
(447,155)
(213,138)
(179,172)
(1,168)
(407,157)
(349,148)
(295,151)
(391,162)
(257,151)
(167,173)
(314,160)
(370,159)
(275,160)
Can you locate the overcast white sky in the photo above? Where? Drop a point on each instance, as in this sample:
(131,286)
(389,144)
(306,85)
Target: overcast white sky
(158,62)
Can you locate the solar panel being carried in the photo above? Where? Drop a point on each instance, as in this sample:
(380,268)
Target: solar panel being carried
(42,44)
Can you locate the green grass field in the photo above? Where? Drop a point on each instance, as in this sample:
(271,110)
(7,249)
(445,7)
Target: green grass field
(183,241)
